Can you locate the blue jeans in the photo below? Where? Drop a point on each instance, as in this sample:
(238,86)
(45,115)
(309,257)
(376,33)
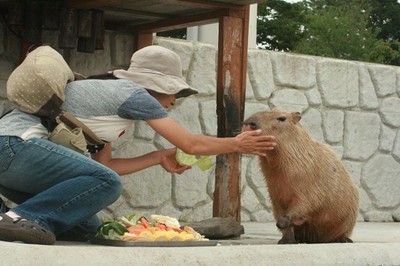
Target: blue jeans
(54,186)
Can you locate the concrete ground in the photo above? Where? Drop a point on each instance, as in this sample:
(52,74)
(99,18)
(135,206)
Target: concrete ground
(375,244)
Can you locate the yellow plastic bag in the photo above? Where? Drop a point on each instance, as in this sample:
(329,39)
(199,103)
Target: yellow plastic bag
(203,162)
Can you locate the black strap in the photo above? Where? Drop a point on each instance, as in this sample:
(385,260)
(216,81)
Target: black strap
(49,124)
(103,76)
(95,148)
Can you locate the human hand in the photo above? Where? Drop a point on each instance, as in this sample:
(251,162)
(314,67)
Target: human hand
(252,142)
(169,162)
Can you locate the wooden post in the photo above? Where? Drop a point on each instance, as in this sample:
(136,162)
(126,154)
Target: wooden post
(68,28)
(33,28)
(231,89)
(84,28)
(94,32)
(143,39)
(99,29)
(51,16)
(16,12)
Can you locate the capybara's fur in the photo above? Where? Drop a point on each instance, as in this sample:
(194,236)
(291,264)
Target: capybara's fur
(313,197)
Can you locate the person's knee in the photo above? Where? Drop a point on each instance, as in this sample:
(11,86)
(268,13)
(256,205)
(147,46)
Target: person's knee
(118,186)
(115,185)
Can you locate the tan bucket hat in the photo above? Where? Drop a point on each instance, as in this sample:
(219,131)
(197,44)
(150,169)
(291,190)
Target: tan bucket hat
(158,69)
(37,85)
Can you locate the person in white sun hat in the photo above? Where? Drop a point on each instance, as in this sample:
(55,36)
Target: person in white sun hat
(59,191)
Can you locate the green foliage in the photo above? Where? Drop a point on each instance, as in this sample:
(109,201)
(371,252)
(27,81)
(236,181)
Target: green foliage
(364,30)
(385,16)
(339,31)
(178,33)
(279,24)
(386,52)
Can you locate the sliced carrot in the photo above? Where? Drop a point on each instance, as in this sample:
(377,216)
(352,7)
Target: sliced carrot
(144,222)
(136,230)
(177,230)
(162,227)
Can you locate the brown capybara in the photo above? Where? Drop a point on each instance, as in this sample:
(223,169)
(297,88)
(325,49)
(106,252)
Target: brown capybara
(313,197)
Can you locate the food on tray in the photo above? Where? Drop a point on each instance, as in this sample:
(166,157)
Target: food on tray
(203,162)
(168,221)
(137,228)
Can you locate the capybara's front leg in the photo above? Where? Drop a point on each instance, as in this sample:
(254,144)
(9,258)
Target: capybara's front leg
(288,236)
(287,230)
(283,222)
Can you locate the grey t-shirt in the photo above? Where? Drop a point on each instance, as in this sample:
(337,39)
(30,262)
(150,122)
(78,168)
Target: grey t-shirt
(107,107)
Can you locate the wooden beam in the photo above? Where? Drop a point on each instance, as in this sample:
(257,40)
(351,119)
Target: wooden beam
(179,22)
(90,3)
(193,3)
(136,20)
(231,89)
(210,4)
(126,13)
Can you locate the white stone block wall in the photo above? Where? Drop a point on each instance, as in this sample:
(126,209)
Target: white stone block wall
(352,106)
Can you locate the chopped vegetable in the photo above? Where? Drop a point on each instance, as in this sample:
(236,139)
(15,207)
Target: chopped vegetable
(143,221)
(111,230)
(203,162)
(166,220)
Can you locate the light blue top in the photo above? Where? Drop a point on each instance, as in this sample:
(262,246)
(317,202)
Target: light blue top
(103,106)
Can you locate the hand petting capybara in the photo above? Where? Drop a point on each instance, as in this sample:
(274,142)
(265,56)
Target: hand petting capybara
(313,197)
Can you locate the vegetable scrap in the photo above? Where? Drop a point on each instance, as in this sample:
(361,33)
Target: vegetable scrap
(135,227)
(203,162)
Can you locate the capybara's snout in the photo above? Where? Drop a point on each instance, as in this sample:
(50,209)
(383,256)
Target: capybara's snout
(250,124)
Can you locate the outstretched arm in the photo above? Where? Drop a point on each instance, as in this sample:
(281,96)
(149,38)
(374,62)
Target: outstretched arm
(249,142)
(123,166)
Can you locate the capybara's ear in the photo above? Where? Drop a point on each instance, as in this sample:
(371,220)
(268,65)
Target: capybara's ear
(296,117)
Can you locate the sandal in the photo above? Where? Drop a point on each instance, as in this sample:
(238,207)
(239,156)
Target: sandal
(20,229)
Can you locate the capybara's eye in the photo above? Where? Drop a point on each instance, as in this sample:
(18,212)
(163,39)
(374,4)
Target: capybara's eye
(281,118)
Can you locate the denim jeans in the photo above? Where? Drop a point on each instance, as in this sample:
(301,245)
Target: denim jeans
(54,186)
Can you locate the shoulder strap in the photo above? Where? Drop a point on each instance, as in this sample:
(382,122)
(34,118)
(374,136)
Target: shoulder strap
(103,76)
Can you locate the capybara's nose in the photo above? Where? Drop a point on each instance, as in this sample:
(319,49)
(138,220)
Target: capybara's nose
(249,125)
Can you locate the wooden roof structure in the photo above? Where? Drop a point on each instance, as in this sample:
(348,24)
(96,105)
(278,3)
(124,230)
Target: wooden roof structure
(143,18)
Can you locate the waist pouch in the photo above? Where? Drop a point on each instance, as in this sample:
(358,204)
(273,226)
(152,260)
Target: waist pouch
(68,131)
(70,138)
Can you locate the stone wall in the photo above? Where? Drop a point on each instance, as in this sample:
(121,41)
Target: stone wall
(352,106)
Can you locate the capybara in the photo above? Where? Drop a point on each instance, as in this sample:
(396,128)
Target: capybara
(313,197)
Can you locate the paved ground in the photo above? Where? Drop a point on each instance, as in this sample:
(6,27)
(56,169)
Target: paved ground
(375,244)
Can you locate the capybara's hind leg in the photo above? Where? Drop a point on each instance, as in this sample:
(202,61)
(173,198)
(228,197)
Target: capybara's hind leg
(342,240)
(287,230)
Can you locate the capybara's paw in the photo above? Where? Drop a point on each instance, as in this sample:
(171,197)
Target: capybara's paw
(283,222)
(287,241)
